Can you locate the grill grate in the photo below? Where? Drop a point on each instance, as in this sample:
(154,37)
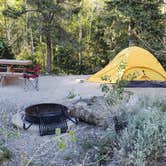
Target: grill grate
(46,128)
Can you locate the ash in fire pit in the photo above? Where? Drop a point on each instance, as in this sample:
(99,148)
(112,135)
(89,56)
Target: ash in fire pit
(48,117)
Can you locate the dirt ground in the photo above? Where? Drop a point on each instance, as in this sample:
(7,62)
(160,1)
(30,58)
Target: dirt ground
(59,87)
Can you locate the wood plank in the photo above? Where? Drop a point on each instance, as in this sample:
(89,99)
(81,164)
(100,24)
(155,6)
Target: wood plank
(3,69)
(11,74)
(15,62)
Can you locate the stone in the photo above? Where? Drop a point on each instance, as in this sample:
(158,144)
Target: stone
(18,122)
(80,80)
(82,104)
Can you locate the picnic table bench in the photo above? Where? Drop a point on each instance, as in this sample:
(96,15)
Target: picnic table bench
(6,76)
(9,72)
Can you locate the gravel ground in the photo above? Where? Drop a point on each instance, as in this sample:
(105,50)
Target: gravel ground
(28,146)
(52,89)
(43,150)
(57,88)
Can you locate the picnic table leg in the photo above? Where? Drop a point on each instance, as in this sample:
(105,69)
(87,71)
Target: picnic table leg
(37,84)
(25,84)
(3,81)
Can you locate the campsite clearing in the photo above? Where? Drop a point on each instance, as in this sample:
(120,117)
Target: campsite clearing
(57,88)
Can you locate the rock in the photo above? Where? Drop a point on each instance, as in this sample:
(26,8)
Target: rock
(82,104)
(80,80)
(119,124)
(92,111)
(164,153)
(112,163)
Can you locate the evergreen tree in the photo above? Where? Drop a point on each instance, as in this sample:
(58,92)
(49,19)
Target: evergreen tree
(45,18)
(136,22)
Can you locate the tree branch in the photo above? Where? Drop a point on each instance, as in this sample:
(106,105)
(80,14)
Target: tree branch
(147,45)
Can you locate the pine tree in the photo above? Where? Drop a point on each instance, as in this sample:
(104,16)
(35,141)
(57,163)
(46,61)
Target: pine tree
(136,22)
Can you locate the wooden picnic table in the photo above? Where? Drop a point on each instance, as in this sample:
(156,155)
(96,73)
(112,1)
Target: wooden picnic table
(10,72)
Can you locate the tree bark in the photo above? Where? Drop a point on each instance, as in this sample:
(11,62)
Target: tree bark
(32,42)
(80,41)
(42,51)
(48,54)
(164,36)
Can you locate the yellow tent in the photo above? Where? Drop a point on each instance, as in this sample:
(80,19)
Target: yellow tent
(133,63)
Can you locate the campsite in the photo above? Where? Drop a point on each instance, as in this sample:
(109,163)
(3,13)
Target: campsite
(82,83)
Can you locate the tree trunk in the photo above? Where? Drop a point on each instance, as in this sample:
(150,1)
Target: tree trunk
(48,54)
(164,36)
(80,43)
(130,33)
(9,33)
(42,51)
(32,42)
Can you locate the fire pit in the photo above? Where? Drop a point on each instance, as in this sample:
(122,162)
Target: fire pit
(48,116)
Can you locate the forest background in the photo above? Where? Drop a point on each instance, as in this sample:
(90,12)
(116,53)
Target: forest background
(80,36)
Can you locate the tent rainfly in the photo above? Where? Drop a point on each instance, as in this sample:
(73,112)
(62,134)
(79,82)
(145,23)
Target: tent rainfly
(136,65)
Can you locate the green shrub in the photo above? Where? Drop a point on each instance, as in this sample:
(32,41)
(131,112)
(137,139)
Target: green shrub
(5,154)
(116,93)
(140,139)
(71,95)
(62,142)
(144,138)
(5,51)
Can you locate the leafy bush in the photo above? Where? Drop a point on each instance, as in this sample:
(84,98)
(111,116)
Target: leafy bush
(6,134)
(5,154)
(116,93)
(71,95)
(5,51)
(139,138)
(62,142)
(64,61)
(144,138)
